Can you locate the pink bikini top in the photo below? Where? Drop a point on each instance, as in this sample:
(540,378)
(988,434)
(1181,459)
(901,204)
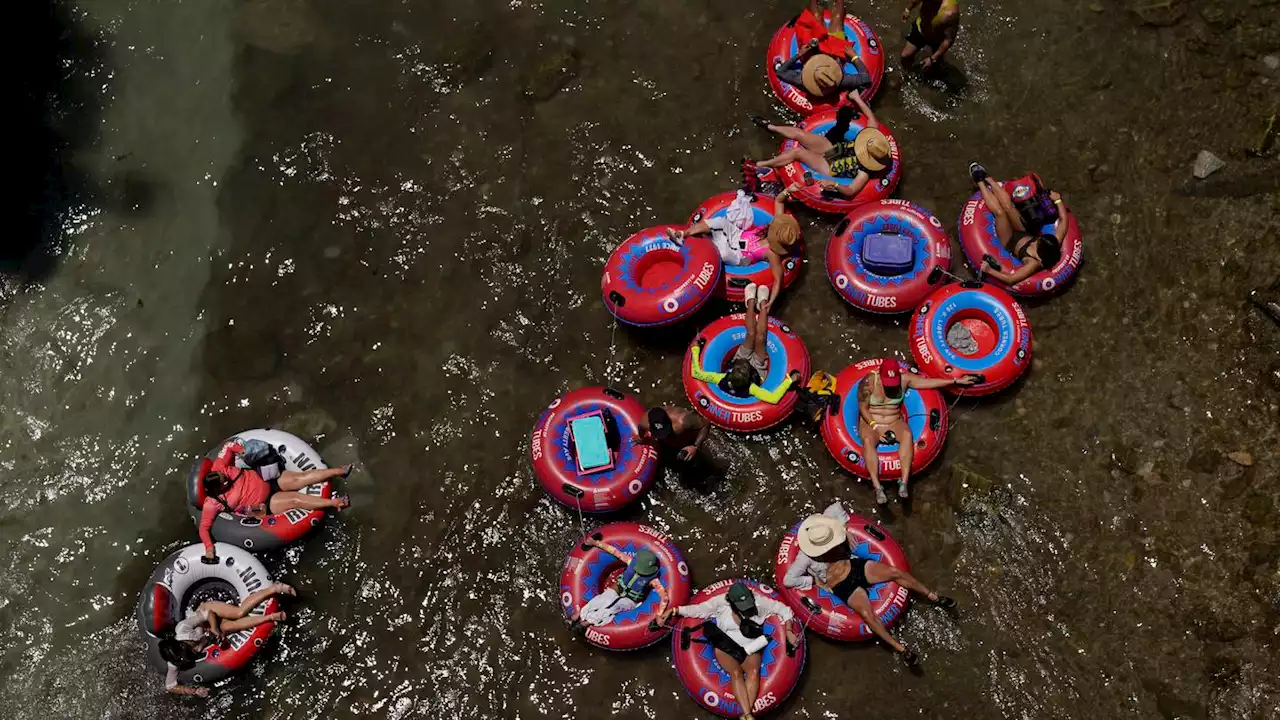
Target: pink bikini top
(755,244)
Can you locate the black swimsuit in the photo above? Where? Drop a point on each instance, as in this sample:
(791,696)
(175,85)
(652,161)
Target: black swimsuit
(857,578)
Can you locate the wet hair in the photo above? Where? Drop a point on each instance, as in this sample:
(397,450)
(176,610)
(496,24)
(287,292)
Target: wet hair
(215,483)
(739,375)
(178,653)
(1049,250)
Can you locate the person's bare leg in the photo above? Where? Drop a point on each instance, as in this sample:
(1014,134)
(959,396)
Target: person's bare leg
(813,8)
(862,605)
(837,18)
(1006,202)
(285,501)
(751,667)
(250,621)
(871,456)
(759,334)
(294,480)
(732,667)
(906,449)
(878,572)
(1004,230)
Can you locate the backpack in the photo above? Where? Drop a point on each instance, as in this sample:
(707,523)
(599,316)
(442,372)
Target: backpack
(258,453)
(816,397)
(1036,208)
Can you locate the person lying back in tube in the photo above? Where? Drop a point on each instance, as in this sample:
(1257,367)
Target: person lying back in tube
(819,66)
(210,623)
(737,635)
(742,243)
(244,491)
(1036,252)
(628,591)
(867,154)
(750,363)
(826,558)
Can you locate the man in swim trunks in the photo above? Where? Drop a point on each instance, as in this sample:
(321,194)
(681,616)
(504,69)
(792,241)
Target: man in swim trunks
(934,28)
(831,154)
(826,558)
(675,428)
(819,65)
(880,397)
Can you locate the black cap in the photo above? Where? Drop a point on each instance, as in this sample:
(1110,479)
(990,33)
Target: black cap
(659,423)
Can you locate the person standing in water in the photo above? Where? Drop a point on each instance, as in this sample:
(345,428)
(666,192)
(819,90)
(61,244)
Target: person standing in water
(880,397)
(935,28)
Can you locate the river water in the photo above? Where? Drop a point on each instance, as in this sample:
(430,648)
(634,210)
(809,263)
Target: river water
(380,225)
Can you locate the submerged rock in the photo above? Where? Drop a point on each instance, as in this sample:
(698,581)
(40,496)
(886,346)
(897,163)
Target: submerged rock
(1207,164)
(1241,457)
(551,72)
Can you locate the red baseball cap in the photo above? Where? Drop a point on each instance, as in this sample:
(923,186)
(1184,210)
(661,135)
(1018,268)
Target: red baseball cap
(890,373)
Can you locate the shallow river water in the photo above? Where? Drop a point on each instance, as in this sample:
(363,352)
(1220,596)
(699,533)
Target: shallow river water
(380,225)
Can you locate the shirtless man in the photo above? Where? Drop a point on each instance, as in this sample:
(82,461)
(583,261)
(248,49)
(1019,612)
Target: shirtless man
(934,28)
(880,397)
(676,428)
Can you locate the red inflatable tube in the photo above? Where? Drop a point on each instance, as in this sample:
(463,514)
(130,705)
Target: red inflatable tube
(737,278)
(880,186)
(833,618)
(860,285)
(977,228)
(651,281)
(785,45)
(722,338)
(588,572)
(708,684)
(926,413)
(997,325)
(554,464)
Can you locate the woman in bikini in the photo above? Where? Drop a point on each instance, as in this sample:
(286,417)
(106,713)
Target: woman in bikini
(739,245)
(211,622)
(880,398)
(831,154)
(1035,252)
(827,559)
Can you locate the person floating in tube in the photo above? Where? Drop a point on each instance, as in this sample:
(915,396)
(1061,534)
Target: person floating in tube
(831,154)
(735,629)
(1036,252)
(742,243)
(881,420)
(826,558)
(211,622)
(824,49)
(750,363)
(935,28)
(628,591)
(244,491)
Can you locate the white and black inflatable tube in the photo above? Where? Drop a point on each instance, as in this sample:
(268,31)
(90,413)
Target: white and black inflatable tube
(181,583)
(273,531)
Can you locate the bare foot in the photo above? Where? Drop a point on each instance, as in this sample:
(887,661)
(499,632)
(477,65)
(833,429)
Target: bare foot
(277,617)
(342,502)
(284,589)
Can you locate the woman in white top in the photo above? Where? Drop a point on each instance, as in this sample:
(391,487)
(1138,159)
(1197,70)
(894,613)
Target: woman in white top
(737,635)
(211,621)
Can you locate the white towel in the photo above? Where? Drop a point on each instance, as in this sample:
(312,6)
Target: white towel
(726,231)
